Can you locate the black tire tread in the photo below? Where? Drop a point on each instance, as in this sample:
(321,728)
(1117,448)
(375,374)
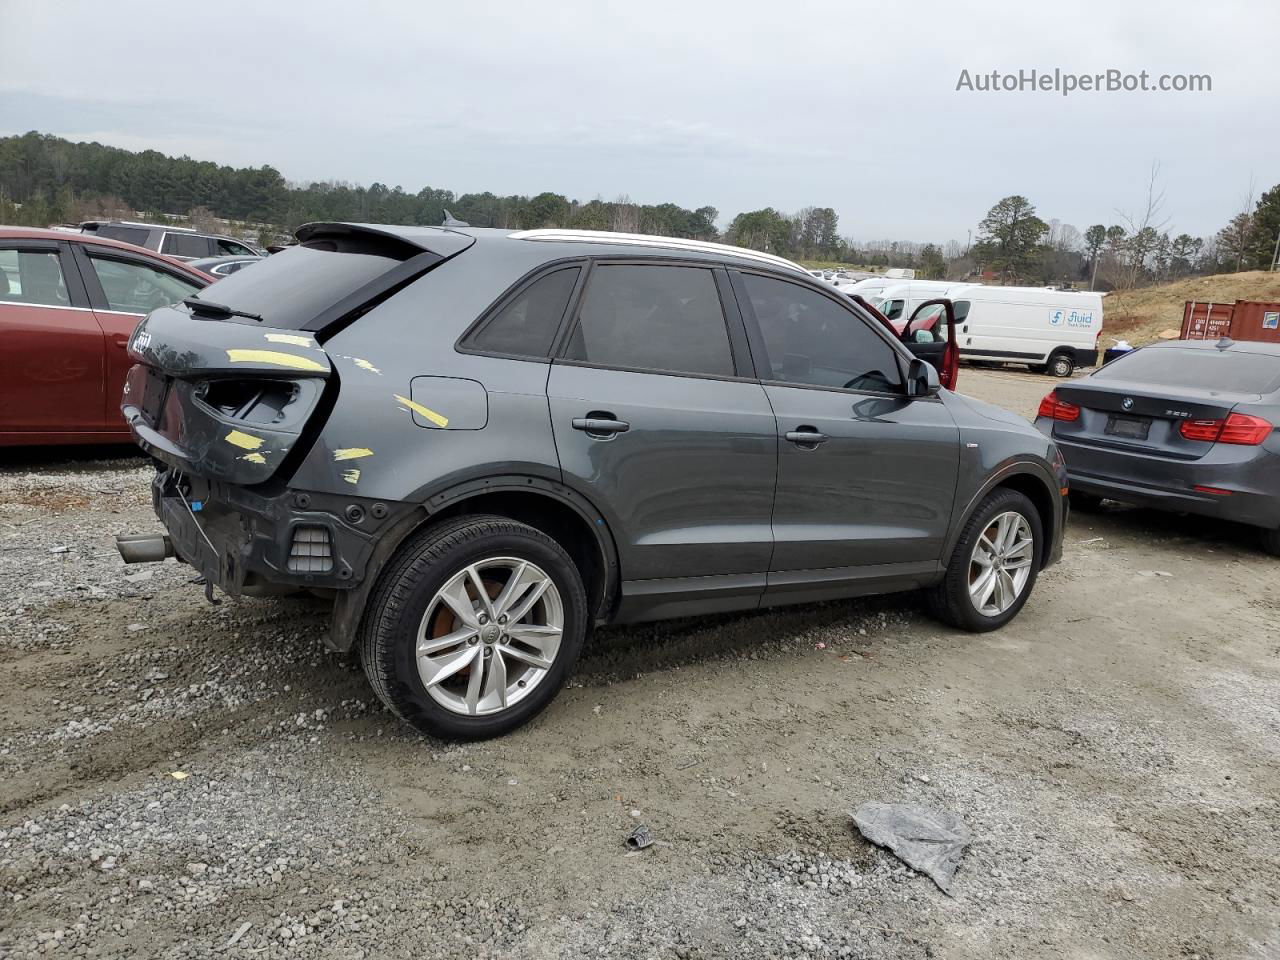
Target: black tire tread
(948,599)
(414,560)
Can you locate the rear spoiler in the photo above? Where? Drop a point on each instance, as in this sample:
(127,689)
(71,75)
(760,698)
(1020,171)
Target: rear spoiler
(418,249)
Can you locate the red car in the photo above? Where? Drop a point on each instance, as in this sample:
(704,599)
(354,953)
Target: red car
(68,305)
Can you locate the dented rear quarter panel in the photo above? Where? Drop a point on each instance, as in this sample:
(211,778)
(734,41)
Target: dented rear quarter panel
(415,416)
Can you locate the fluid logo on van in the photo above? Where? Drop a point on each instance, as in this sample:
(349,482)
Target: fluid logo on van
(1071,318)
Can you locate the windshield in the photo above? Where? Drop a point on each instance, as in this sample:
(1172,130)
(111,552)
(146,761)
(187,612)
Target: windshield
(1223,370)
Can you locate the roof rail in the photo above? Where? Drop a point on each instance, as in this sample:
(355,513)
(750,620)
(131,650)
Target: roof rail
(647,240)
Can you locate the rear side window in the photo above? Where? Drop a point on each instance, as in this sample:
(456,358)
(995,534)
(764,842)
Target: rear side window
(809,339)
(653,317)
(1224,370)
(185,245)
(526,326)
(135,235)
(32,277)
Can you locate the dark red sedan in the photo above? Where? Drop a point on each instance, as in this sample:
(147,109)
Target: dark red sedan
(68,305)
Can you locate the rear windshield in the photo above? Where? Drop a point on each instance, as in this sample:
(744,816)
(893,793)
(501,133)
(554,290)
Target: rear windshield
(293,287)
(1226,371)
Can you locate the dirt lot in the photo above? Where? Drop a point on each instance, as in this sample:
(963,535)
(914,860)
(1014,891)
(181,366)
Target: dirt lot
(183,780)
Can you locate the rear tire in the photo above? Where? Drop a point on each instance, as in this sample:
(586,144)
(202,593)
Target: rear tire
(428,594)
(1062,365)
(952,600)
(1271,542)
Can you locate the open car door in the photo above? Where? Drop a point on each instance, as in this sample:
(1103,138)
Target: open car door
(930,334)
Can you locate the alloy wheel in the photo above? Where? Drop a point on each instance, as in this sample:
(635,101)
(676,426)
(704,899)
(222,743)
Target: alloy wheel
(1001,563)
(489,635)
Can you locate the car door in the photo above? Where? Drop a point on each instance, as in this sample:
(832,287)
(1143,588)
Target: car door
(866,474)
(123,288)
(51,346)
(659,419)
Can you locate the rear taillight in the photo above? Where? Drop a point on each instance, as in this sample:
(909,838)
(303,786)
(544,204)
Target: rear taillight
(1057,409)
(1238,428)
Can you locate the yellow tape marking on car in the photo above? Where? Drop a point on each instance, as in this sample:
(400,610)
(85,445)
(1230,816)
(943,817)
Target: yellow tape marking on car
(438,419)
(351,476)
(351,453)
(274,357)
(245,440)
(365,365)
(254,458)
(293,338)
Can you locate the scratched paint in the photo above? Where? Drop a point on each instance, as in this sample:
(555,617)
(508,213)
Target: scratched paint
(275,358)
(438,419)
(293,338)
(246,441)
(351,453)
(254,458)
(351,476)
(362,363)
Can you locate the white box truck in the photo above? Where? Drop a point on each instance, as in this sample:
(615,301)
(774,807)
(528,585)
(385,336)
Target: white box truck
(1048,330)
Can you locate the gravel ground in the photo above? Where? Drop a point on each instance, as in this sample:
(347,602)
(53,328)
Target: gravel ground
(186,780)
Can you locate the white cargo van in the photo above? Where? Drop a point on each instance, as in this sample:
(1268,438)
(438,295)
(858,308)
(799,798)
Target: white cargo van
(874,287)
(1051,330)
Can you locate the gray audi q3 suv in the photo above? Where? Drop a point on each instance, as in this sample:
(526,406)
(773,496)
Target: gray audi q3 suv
(480,443)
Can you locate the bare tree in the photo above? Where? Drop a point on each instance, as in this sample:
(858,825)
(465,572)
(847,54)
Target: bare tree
(1144,227)
(626,216)
(1233,239)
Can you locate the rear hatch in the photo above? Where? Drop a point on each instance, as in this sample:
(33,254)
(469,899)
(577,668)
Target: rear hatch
(232,384)
(1169,402)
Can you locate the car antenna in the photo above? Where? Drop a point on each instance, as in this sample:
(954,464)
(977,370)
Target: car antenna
(451,221)
(1225,342)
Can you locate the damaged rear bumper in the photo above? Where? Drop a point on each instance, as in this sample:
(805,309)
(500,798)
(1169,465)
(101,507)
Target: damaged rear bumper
(240,539)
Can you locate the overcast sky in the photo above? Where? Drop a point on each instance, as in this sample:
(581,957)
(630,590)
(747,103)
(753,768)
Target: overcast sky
(738,105)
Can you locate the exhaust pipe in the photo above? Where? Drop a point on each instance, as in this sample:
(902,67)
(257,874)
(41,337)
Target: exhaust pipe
(144,547)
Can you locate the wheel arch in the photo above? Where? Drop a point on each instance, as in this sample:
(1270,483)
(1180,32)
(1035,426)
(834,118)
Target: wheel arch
(1029,479)
(565,516)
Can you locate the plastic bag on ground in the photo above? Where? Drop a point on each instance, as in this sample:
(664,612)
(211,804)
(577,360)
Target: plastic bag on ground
(923,838)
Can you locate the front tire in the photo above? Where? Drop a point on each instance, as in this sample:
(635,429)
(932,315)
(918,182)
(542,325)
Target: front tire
(1085,502)
(474,627)
(994,565)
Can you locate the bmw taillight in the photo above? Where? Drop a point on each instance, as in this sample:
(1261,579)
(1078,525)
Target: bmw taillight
(1238,428)
(1056,409)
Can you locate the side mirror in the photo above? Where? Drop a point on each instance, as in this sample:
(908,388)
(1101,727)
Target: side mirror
(922,379)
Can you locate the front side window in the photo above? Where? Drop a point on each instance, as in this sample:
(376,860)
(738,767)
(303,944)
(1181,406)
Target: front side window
(188,245)
(653,317)
(892,309)
(34,277)
(526,326)
(134,288)
(812,340)
(229,248)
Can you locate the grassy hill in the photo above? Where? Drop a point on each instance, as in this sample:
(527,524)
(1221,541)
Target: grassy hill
(1140,315)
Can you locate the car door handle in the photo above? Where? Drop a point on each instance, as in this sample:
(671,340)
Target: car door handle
(601,427)
(807,437)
